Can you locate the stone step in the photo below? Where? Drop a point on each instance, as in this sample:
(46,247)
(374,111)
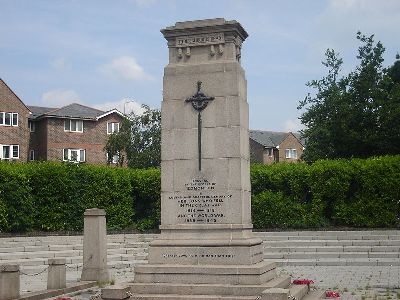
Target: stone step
(296,291)
(309,255)
(197,297)
(333,237)
(329,243)
(314,295)
(328,233)
(207,289)
(338,262)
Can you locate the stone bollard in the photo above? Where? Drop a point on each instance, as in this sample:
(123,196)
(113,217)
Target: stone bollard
(56,274)
(95,246)
(9,282)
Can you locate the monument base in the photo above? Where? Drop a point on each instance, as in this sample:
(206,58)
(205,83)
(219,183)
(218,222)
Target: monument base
(212,282)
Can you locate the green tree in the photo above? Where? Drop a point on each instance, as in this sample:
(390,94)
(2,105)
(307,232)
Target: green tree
(353,115)
(138,141)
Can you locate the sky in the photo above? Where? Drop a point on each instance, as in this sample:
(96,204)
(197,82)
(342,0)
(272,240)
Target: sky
(110,53)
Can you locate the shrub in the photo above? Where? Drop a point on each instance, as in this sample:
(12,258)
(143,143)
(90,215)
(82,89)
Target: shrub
(53,196)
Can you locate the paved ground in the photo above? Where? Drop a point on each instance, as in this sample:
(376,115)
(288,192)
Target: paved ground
(361,283)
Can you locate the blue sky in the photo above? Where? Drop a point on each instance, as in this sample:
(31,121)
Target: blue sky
(102,52)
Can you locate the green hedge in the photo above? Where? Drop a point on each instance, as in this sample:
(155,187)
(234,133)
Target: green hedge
(353,193)
(46,196)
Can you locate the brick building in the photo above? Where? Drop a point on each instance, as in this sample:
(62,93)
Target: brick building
(268,147)
(71,133)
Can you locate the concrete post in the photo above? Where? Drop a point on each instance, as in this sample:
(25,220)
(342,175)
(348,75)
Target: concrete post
(56,274)
(9,282)
(95,246)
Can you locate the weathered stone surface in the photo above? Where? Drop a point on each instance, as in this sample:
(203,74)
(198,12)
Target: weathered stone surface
(56,274)
(95,246)
(9,281)
(206,236)
(115,292)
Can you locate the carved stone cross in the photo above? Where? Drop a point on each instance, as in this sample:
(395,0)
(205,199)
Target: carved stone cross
(199,102)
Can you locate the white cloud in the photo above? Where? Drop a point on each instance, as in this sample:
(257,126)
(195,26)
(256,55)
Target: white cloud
(60,97)
(124,68)
(293,125)
(128,105)
(60,64)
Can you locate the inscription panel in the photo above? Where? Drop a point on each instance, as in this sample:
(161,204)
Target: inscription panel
(201,203)
(200,40)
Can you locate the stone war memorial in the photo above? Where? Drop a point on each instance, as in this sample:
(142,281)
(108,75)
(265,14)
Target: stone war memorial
(206,249)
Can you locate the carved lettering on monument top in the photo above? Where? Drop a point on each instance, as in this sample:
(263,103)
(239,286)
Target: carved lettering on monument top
(200,40)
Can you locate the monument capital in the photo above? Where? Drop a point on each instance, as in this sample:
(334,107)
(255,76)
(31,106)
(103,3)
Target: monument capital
(220,38)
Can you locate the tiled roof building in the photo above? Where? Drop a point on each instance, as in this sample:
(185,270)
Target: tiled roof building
(74,132)
(268,147)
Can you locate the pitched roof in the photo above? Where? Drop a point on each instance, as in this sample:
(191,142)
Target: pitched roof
(73,110)
(3,84)
(39,110)
(271,139)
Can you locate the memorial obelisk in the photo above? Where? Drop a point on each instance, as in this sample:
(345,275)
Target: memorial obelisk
(206,246)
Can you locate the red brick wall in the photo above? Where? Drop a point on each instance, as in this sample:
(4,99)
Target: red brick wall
(93,139)
(38,139)
(14,135)
(256,151)
(290,142)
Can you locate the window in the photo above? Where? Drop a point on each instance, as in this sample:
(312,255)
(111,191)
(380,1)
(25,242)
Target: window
(114,160)
(291,153)
(31,154)
(9,151)
(8,119)
(73,125)
(112,127)
(32,126)
(75,155)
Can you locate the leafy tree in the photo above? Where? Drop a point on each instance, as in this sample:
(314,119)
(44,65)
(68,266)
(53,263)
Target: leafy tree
(354,115)
(138,141)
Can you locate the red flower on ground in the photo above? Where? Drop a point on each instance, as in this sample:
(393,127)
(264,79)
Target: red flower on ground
(303,281)
(332,294)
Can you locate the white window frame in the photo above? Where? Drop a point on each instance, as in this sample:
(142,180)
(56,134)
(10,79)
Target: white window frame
(68,152)
(291,153)
(32,126)
(31,155)
(114,127)
(68,125)
(11,118)
(11,149)
(115,158)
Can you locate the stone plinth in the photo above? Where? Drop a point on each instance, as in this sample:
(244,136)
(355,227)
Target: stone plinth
(95,246)
(56,274)
(9,282)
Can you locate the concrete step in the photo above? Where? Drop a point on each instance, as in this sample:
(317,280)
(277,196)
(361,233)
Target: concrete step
(314,295)
(328,233)
(206,289)
(329,243)
(316,255)
(197,297)
(338,262)
(333,237)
